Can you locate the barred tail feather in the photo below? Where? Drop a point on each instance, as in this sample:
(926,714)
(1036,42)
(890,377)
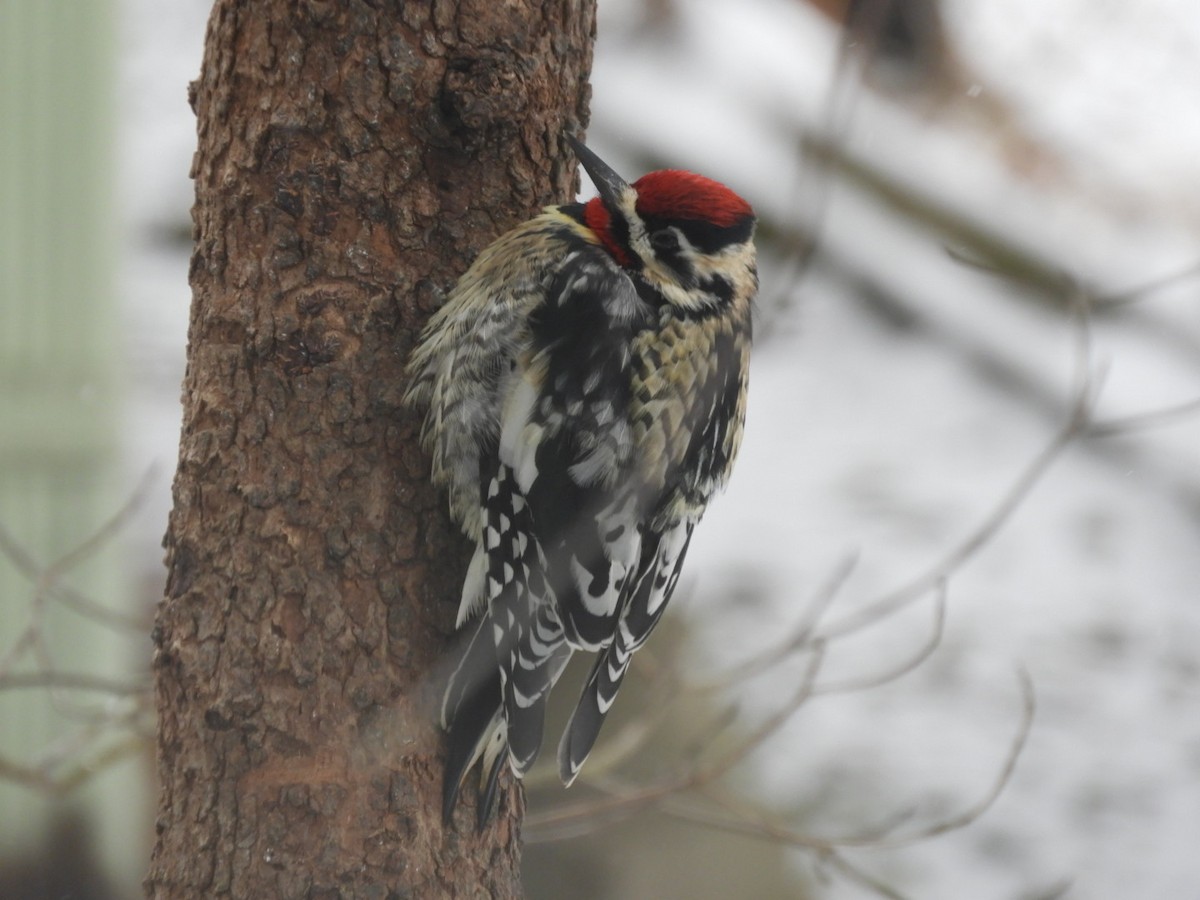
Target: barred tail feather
(662,560)
(539,661)
(529,648)
(598,694)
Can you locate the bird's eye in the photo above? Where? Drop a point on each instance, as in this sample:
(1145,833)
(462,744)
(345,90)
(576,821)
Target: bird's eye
(664,240)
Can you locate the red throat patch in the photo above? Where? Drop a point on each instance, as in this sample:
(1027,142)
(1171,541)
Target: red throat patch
(597,217)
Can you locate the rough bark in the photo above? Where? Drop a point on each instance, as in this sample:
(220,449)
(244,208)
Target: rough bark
(353,156)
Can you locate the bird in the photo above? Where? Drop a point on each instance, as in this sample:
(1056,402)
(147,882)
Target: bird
(584,388)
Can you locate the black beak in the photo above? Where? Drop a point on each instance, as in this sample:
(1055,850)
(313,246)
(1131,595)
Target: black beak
(610,185)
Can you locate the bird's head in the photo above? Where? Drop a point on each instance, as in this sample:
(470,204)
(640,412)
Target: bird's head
(689,237)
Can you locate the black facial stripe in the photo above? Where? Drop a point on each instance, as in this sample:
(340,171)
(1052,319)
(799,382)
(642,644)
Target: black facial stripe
(654,297)
(706,236)
(649,293)
(719,286)
(676,260)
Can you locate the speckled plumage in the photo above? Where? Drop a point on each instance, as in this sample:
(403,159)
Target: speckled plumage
(586,389)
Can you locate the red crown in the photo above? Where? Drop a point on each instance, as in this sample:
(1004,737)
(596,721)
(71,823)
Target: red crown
(675,194)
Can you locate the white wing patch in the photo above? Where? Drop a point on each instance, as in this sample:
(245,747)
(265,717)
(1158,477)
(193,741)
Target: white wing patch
(520,437)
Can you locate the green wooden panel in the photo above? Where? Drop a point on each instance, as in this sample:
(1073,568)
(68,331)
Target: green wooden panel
(59,400)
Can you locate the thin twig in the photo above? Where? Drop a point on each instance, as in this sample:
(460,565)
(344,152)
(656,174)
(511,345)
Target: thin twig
(1167,415)
(799,640)
(976,810)
(849,870)
(1074,424)
(741,819)
(17,681)
(1139,292)
(622,800)
(107,529)
(898,671)
(46,579)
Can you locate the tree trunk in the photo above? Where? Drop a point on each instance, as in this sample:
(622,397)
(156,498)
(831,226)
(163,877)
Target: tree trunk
(351,161)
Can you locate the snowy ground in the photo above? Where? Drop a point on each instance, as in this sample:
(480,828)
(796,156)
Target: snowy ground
(893,436)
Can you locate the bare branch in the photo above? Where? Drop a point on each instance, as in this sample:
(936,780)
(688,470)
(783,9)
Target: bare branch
(623,800)
(976,810)
(107,530)
(72,682)
(40,778)
(801,638)
(852,872)
(1074,424)
(46,579)
(738,818)
(1139,292)
(109,718)
(905,666)
(1167,415)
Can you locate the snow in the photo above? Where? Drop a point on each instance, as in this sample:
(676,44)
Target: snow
(890,431)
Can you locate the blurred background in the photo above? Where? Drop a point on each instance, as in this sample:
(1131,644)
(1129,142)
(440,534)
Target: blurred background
(969,211)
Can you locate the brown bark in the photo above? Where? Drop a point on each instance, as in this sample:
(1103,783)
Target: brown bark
(353,156)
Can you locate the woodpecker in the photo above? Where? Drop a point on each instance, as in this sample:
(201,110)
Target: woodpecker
(586,389)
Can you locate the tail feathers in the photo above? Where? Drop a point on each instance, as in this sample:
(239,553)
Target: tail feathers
(474,733)
(494,756)
(537,657)
(662,558)
(598,695)
(472,715)
(476,668)
(494,716)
